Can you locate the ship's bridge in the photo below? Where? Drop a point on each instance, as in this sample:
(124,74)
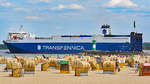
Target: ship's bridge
(105,29)
(19,35)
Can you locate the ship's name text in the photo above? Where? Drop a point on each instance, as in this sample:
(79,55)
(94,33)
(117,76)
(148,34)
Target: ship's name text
(45,47)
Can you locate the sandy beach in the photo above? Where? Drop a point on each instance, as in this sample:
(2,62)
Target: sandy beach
(126,76)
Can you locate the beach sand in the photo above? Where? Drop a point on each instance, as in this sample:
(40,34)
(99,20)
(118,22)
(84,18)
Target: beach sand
(126,76)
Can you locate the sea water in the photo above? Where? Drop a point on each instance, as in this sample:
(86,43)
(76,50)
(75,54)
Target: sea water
(5,53)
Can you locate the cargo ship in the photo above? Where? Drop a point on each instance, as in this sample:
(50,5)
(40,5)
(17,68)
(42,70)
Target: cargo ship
(23,42)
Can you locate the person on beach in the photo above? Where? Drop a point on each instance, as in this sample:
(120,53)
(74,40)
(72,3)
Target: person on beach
(117,66)
(101,61)
(118,69)
(137,67)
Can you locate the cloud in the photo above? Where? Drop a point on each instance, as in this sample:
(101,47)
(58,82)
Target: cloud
(58,28)
(120,3)
(72,7)
(21,9)
(143,14)
(32,17)
(39,1)
(4,3)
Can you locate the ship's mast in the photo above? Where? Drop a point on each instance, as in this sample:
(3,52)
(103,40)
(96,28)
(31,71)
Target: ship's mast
(134,26)
(21,27)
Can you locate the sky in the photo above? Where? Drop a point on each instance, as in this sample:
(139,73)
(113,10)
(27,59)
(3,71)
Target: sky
(74,17)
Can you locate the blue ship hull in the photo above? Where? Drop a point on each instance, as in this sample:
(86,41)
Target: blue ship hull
(111,43)
(65,47)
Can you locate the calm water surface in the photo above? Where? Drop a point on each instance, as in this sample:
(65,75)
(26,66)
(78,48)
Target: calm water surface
(3,53)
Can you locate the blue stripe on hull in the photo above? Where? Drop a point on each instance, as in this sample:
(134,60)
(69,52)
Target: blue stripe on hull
(65,47)
(124,47)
